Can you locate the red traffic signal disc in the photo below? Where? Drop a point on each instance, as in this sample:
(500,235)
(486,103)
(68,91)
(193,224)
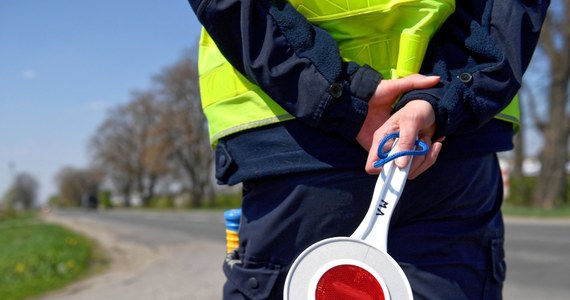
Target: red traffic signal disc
(348,282)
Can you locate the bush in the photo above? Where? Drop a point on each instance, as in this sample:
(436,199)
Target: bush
(105,199)
(228,201)
(161,202)
(522,191)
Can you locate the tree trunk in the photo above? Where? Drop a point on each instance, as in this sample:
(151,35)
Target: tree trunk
(551,185)
(518,155)
(555,40)
(518,190)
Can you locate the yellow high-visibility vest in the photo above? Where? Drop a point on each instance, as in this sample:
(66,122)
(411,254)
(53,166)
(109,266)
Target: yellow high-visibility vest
(512,113)
(390,36)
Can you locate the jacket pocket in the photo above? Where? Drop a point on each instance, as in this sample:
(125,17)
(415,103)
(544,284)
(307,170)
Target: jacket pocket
(225,164)
(255,282)
(498,260)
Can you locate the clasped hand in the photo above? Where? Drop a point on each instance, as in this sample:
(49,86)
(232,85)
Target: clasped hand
(415,119)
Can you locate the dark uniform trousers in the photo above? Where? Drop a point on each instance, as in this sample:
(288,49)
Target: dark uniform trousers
(301,186)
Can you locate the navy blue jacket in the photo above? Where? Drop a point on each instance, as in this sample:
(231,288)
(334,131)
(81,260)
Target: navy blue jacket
(481,53)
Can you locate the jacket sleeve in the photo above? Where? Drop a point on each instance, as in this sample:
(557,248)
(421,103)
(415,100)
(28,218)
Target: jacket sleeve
(295,63)
(481,53)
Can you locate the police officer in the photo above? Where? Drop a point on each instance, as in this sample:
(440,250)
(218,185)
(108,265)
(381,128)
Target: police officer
(298,96)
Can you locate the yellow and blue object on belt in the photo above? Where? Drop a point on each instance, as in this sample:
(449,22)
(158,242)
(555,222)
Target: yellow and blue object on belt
(232,217)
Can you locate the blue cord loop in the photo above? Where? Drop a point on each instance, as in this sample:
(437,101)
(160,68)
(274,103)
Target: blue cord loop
(385,157)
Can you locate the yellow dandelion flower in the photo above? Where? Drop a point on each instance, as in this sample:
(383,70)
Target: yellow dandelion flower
(20,268)
(70,264)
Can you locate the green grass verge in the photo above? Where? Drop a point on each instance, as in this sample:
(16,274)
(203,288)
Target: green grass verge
(221,202)
(36,257)
(527,211)
(228,201)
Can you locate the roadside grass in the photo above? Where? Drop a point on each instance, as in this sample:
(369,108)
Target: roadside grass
(519,202)
(228,201)
(220,202)
(510,209)
(37,257)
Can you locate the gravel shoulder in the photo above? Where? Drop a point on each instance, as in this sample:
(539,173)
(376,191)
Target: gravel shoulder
(182,270)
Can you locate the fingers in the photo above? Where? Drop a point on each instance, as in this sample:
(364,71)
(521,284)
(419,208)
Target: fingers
(372,157)
(413,120)
(415,81)
(389,90)
(406,142)
(378,136)
(415,117)
(421,163)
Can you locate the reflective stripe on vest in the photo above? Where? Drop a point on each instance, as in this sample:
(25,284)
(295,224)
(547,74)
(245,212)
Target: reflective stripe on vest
(511,113)
(390,36)
(230,102)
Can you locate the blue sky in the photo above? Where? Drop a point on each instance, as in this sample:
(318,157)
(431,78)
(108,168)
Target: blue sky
(63,63)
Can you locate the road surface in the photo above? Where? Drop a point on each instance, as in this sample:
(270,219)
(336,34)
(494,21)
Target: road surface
(538,259)
(178,255)
(155,255)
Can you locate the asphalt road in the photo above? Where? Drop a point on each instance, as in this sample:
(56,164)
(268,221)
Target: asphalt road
(178,255)
(538,259)
(154,255)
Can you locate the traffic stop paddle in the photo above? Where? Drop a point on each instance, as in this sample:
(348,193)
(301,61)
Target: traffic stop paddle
(358,267)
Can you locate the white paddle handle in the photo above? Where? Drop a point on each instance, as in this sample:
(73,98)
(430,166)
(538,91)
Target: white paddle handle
(390,184)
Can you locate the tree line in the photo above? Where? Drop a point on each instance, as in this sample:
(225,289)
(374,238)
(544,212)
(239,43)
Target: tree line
(550,117)
(156,142)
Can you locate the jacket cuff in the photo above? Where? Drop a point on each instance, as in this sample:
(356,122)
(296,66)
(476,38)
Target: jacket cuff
(364,81)
(359,89)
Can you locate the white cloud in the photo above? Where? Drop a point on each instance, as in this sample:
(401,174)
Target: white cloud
(98,106)
(28,74)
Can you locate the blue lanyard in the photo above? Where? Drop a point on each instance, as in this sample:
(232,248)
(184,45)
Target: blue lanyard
(386,156)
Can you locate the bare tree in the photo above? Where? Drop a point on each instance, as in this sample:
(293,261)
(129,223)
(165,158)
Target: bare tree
(555,42)
(111,148)
(149,166)
(22,194)
(75,184)
(161,134)
(121,147)
(518,190)
(183,129)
